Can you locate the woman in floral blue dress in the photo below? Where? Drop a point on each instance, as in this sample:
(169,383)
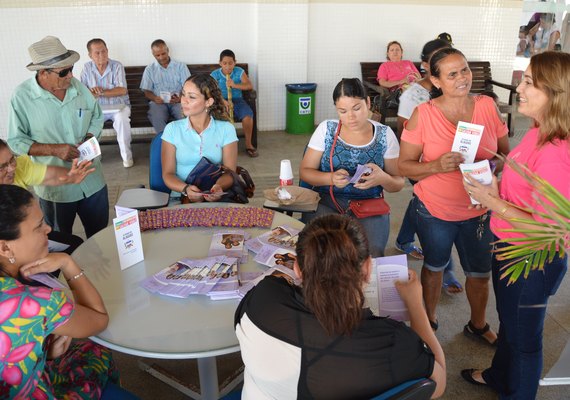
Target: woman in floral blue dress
(38,359)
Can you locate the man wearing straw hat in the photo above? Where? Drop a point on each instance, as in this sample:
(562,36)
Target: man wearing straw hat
(50,114)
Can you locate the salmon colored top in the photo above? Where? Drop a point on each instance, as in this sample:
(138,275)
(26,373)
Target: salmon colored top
(443,194)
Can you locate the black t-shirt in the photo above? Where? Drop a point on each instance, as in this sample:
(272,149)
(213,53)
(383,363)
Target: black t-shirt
(380,354)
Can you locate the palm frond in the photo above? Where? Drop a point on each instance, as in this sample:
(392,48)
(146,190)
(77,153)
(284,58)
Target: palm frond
(550,237)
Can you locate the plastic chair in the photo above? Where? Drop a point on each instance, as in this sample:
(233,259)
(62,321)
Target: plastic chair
(419,389)
(155,168)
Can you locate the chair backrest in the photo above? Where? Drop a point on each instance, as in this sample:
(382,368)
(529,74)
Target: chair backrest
(419,389)
(155,168)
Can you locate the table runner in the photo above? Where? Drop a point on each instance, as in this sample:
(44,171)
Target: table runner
(244,217)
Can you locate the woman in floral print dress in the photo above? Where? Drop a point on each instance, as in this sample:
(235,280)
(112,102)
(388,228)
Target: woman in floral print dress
(38,359)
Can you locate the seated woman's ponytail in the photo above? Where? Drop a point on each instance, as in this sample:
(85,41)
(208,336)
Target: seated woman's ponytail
(331,252)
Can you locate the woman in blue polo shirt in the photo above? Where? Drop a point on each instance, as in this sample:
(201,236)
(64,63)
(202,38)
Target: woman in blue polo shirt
(206,132)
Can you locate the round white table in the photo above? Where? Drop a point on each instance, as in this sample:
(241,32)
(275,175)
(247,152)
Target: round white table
(157,326)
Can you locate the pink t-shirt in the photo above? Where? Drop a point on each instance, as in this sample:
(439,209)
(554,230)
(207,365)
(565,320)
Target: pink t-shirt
(443,194)
(397,70)
(550,161)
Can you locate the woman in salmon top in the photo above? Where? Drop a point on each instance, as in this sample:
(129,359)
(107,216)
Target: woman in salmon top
(442,205)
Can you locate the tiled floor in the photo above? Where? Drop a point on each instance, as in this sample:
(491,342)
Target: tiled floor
(460,351)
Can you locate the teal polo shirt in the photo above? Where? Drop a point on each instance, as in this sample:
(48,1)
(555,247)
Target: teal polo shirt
(37,116)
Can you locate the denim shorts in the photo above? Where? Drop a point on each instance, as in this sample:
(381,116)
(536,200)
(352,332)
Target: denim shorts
(241,109)
(472,239)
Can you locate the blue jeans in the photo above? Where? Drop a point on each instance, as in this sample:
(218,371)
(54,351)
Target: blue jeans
(517,364)
(377,228)
(159,114)
(93,212)
(438,237)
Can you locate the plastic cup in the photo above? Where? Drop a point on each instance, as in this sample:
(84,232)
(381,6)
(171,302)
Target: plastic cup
(285,173)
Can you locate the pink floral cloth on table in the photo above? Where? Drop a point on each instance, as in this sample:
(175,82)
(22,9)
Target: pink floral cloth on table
(28,315)
(243,217)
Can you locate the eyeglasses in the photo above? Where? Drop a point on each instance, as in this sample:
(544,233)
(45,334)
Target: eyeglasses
(63,73)
(11,163)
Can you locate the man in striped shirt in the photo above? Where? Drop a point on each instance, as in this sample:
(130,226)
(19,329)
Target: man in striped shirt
(106,80)
(162,83)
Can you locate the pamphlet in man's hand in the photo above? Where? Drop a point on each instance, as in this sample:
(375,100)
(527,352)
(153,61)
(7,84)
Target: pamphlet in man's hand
(89,149)
(466,141)
(480,171)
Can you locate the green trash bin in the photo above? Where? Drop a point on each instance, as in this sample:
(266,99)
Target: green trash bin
(300,107)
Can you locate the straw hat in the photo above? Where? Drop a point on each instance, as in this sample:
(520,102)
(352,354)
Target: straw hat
(50,53)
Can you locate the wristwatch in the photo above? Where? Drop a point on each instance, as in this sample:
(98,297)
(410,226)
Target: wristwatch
(183,192)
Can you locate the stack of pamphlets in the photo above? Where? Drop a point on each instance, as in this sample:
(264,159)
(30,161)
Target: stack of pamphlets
(187,276)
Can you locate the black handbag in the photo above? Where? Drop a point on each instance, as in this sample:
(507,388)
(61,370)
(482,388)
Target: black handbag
(205,174)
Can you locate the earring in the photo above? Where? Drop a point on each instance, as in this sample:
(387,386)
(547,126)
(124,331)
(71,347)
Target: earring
(12,260)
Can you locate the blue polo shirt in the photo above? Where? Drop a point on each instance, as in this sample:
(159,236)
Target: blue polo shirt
(192,146)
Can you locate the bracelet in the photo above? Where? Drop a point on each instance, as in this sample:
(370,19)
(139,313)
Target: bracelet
(184,190)
(79,275)
(504,210)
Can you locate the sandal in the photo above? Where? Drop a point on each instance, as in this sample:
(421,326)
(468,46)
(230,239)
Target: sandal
(467,374)
(451,285)
(252,152)
(410,249)
(470,331)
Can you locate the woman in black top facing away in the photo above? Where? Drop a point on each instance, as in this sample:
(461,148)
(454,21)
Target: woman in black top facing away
(317,341)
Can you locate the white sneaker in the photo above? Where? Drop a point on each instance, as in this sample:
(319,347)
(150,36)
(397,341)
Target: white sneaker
(128,163)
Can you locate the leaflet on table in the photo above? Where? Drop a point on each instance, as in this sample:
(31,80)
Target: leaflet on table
(360,170)
(89,149)
(466,141)
(275,271)
(480,171)
(128,237)
(229,243)
(274,256)
(282,236)
(381,294)
(188,276)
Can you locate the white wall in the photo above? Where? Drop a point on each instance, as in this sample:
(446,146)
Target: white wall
(283,41)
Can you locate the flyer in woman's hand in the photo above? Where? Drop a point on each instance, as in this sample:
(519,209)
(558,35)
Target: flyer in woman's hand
(466,140)
(480,171)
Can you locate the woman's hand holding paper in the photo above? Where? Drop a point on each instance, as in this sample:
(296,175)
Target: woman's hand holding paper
(340,178)
(486,195)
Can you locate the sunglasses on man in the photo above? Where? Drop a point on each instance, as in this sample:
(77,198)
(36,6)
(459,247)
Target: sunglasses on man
(63,73)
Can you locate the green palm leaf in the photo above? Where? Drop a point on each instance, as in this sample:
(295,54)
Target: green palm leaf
(550,238)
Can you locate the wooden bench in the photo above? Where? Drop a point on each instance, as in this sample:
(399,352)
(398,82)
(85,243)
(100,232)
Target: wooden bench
(139,103)
(482,82)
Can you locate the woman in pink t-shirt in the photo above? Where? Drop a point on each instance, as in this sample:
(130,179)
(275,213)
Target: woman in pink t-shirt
(396,73)
(545,150)
(442,205)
